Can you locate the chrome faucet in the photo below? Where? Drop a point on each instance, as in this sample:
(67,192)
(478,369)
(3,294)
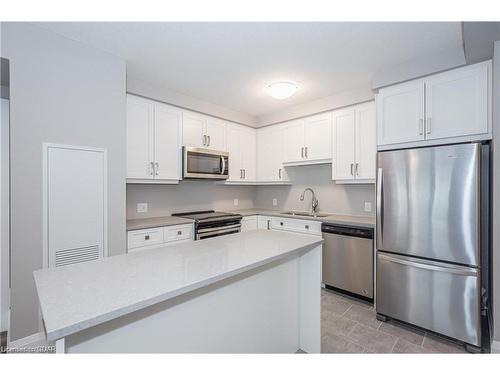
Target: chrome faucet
(314,200)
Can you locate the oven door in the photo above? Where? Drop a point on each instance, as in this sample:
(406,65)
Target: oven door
(201,163)
(222,230)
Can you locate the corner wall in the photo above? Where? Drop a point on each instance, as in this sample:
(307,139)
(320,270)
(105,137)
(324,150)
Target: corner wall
(61,91)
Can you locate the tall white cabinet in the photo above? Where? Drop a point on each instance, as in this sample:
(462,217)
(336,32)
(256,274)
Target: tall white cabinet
(354,144)
(270,152)
(453,106)
(153,141)
(242,146)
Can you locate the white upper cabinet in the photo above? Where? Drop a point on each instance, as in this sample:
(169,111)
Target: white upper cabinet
(354,144)
(242,149)
(308,141)
(400,112)
(456,103)
(270,150)
(448,107)
(203,131)
(153,141)
(318,137)
(140,130)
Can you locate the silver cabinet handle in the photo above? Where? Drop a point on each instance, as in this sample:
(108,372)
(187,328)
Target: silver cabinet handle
(244,174)
(421,126)
(380,215)
(208,137)
(279,173)
(352,169)
(152,168)
(302,152)
(428,125)
(268,224)
(223,161)
(179,232)
(305,148)
(204,140)
(157,165)
(241,173)
(356,170)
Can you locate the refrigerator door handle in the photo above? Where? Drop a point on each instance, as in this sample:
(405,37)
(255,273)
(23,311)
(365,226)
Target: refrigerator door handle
(380,214)
(430,265)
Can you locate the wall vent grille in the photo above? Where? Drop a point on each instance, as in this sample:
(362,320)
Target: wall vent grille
(77,255)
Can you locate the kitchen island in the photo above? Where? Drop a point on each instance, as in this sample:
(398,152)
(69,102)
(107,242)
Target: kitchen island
(257,291)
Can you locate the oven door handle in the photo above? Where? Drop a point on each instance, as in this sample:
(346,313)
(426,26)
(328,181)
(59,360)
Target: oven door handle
(221,228)
(200,236)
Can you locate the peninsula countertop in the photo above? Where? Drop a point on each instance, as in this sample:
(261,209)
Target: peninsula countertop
(80,296)
(153,222)
(360,221)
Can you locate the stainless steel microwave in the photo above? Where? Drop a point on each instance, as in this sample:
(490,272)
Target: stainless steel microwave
(202,163)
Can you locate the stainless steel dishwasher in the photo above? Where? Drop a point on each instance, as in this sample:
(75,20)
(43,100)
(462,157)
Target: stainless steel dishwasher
(348,259)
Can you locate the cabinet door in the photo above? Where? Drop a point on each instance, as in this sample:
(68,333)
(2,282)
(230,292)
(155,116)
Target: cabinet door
(400,113)
(216,134)
(249,223)
(343,144)
(193,130)
(366,141)
(270,154)
(167,148)
(234,149)
(318,137)
(248,154)
(139,138)
(294,141)
(457,103)
(263,222)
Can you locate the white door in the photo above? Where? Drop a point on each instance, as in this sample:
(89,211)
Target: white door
(216,134)
(366,141)
(400,113)
(344,123)
(234,149)
(193,130)
(294,141)
(270,144)
(75,204)
(249,223)
(248,154)
(457,103)
(167,147)
(140,118)
(318,137)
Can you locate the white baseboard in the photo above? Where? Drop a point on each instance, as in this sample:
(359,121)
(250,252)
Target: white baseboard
(36,339)
(495,346)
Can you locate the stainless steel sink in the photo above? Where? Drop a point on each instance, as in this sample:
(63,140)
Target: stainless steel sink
(302,213)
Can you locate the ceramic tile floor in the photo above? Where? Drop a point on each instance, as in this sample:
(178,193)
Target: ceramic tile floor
(349,325)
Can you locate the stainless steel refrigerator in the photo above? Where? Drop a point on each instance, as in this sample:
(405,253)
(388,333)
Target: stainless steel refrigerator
(433,240)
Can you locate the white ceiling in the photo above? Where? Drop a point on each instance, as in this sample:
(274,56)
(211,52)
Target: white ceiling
(230,63)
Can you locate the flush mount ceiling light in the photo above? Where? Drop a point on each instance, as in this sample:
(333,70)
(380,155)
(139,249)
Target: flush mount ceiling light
(281,89)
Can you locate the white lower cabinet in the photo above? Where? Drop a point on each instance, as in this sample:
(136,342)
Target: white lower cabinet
(249,223)
(296,225)
(161,236)
(264,222)
(354,144)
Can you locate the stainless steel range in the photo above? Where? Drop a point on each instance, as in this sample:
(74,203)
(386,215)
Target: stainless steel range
(212,223)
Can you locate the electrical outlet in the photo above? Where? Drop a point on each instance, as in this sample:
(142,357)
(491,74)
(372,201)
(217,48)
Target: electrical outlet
(142,207)
(275,202)
(368,206)
(235,201)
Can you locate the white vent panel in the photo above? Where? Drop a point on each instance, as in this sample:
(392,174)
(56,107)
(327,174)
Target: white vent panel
(78,255)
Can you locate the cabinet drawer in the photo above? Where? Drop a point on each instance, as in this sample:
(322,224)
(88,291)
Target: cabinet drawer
(295,225)
(178,233)
(144,237)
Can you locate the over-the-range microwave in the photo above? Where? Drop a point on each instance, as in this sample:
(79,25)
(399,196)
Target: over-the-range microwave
(202,163)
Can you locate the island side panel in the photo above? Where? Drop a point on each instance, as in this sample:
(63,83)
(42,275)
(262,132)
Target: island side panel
(310,300)
(254,312)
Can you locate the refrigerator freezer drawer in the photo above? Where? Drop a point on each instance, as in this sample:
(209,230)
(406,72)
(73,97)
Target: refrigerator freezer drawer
(348,263)
(437,296)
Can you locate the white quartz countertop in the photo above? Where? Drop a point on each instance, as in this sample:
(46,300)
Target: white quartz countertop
(80,296)
(153,222)
(360,221)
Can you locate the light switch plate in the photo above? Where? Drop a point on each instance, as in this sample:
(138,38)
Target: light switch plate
(275,202)
(142,207)
(235,201)
(368,206)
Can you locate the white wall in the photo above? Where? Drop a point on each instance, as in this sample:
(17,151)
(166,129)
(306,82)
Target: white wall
(61,91)
(333,198)
(187,196)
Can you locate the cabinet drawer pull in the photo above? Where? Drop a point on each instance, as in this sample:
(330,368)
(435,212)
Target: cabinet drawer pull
(281,223)
(428,125)
(302,152)
(146,237)
(307,226)
(179,232)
